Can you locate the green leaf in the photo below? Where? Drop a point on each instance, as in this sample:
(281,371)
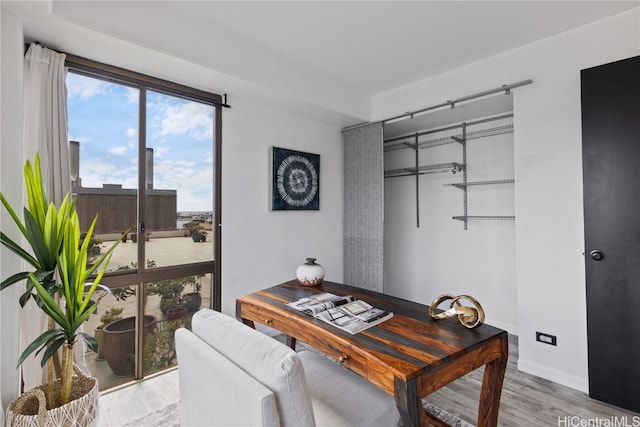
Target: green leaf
(51,307)
(36,196)
(13,215)
(18,277)
(64,213)
(52,348)
(83,316)
(100,260)
(24,298)
(36,240)
(17,249)
(38,342)
(91,341)
(49,233)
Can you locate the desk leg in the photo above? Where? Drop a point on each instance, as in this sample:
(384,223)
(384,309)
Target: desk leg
(409,403)
(406,395)
(492,387)
(249,323)
(291,342)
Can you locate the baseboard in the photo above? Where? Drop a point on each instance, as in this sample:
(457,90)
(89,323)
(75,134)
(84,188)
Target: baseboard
(554,375)
(511,329)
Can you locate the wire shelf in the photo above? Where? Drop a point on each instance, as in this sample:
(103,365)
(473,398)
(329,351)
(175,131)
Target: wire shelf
(452,167)
(462,185)
(484,133)
(483,217)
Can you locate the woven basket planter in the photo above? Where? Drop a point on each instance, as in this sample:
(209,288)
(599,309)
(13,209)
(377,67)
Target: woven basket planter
(30,409)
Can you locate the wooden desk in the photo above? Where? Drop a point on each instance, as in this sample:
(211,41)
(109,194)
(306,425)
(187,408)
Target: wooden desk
(408,356)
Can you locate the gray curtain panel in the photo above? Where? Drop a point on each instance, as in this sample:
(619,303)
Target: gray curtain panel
(363,207)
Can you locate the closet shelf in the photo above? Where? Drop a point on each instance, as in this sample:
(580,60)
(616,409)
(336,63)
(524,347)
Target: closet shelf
(483,217)
(452,167)
(462,185)
(484,133)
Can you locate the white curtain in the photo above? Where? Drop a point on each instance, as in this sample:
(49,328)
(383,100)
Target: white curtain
(45,131)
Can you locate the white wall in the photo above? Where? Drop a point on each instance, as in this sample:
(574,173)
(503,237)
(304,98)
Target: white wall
(441,257)
(548,173)
(10,161)
(261,248)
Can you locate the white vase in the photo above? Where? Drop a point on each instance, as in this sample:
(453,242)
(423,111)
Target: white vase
(310,273)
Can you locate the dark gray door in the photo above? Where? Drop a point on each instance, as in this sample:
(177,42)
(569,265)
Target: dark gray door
(611,166)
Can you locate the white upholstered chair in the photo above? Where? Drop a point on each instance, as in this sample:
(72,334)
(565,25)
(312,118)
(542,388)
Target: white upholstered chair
(232,375)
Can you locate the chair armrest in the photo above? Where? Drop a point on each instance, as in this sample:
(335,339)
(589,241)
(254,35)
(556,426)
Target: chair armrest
(215,392)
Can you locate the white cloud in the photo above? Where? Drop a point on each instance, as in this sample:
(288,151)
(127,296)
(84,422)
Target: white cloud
(84,87)
(132,132)
(133,95)
(193,118)
(96,172)
(118,150)
(193,182)
(160,151)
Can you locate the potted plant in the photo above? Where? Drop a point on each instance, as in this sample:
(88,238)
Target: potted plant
(199,236)
(177,308)
(111,315)
(170,291)
(193,300)
(160,345)
(196,232)
(120,335)
(193,227)
(60,260)
(120,343)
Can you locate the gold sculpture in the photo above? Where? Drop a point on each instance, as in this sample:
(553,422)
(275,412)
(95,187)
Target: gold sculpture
(469,317)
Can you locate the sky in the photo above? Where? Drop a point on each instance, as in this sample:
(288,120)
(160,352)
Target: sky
(103,117)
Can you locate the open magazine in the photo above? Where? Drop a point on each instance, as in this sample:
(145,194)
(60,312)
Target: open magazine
(344,312)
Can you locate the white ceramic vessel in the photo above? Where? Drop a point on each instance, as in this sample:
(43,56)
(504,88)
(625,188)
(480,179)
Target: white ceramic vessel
(310,273)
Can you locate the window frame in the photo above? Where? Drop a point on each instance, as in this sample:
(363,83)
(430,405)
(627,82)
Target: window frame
(139,276)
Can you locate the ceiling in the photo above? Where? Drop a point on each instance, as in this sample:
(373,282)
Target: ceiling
(376,46)
(323,52)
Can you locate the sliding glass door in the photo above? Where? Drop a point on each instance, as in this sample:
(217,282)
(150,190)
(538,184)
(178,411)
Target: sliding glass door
(145,160)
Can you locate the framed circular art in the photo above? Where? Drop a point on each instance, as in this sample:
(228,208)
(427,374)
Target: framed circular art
(295,180)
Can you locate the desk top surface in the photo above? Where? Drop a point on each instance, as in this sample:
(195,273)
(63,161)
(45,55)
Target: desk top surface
(408,343)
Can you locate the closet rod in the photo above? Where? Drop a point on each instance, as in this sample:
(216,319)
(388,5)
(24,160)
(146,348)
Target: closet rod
(452,103)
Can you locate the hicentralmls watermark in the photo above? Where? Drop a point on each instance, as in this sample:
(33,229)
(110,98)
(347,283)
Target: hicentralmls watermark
(616,421)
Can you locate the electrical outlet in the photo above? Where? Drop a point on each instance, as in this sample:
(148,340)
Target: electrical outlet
(546,338)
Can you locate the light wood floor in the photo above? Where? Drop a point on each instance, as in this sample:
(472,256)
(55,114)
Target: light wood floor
(526,400)
(529,401)
(129,403)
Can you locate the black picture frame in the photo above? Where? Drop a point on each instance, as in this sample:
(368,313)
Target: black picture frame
(295,180)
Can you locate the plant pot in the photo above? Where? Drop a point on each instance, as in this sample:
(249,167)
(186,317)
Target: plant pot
(175,313)
(120,344)
(30,408)
(98,334)
(193,301)
(134,237)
